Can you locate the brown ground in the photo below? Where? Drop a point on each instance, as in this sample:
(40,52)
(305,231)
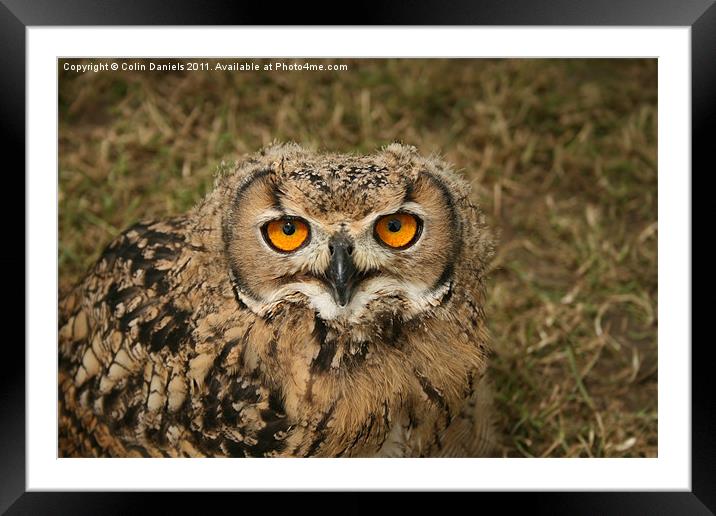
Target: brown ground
(562,158)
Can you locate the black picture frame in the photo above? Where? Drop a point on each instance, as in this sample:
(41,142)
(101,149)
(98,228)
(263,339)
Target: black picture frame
(17,15)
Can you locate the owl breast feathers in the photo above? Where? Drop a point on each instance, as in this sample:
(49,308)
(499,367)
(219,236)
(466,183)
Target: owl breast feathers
(310,305)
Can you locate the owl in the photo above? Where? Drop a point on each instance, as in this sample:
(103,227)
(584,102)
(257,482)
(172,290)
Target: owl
(311,305)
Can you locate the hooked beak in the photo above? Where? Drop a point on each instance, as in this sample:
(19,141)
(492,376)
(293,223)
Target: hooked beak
(342,274)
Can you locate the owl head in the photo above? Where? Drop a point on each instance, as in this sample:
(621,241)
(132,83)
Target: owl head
(361,242)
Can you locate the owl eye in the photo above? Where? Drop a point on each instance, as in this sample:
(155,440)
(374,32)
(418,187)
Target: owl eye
(286,234)
(399,230)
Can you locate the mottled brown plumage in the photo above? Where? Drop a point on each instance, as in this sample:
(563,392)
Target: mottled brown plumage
(194,337)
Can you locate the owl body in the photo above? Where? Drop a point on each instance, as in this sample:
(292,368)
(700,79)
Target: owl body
(311,305)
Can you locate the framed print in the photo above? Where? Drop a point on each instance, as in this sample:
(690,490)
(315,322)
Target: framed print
(419,258)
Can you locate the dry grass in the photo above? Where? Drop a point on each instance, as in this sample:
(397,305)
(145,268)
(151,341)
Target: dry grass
(562,157)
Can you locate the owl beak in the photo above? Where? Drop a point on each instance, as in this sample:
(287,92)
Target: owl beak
(342,273)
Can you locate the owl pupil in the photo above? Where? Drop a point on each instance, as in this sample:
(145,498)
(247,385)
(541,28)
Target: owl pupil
(394,225)
(289,228)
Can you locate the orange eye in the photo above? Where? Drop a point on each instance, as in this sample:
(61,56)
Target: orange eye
(399,230)
(286,234)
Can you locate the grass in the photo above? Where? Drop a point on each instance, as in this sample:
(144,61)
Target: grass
(562,158)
